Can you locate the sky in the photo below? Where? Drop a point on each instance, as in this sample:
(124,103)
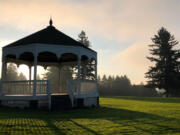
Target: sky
(119,30)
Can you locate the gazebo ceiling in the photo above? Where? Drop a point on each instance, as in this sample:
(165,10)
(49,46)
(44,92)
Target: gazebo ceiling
(49,35)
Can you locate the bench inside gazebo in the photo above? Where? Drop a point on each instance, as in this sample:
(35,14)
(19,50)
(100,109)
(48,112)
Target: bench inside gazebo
(50,47)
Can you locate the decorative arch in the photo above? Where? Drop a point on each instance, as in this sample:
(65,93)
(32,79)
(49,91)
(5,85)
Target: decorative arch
(26,56)
(47,57)
(68,57)
(9,58)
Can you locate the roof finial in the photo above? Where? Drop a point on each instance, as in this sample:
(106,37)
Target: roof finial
(50,21)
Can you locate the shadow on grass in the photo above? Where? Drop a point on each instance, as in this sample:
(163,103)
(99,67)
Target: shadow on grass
(150,99)
(123,117)
(53,127)
(83,127)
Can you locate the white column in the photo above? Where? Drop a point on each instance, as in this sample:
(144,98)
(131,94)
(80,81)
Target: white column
(4,70)
(59,67)
(49,94)
(79,74)
(35,75)
(3,74)
(60,90)
(96,77)
(85,69)
(29,78)
(96,70)
(87,65)
(30,73)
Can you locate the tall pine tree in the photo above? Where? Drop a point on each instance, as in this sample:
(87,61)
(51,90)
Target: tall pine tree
(84,39)
(165,72)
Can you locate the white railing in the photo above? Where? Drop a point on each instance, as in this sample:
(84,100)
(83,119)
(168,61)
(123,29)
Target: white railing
(17,87)
(72,89)
(42,87)
(24,87)
(88,87)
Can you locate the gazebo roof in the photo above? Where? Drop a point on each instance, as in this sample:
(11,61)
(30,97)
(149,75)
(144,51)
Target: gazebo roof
(49,35)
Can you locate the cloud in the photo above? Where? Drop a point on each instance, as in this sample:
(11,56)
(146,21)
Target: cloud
(117,20)
(132,61)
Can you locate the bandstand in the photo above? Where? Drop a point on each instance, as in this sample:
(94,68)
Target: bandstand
(49,47)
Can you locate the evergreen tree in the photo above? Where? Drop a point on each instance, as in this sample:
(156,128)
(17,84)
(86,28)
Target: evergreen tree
(22,76)
(84,39)
(87,67)
(164,73)
(87,70)
(104,78)
(90,68)
(11,73)
(99,78)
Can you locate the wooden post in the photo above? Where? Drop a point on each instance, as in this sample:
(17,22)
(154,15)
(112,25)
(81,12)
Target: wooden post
(79,74)
(35,73)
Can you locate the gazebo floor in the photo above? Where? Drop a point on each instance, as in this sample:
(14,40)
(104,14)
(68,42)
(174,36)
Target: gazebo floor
(53,94)
(56,94)
(30,97)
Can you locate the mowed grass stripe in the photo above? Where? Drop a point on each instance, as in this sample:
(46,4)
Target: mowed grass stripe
(117,115)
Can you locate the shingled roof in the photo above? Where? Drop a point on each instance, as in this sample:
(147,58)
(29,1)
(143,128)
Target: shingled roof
(49,35)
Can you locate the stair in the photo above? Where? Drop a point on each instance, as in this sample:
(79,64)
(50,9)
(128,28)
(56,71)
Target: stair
(60,102)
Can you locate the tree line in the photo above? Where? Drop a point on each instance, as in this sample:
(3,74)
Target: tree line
(121,86)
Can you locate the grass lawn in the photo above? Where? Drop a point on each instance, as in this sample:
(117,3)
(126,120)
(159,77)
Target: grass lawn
(119,115)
